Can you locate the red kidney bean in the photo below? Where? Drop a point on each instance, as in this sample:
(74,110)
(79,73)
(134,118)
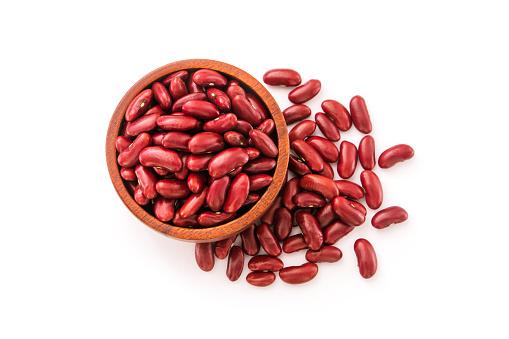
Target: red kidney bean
(291,189)
(204,256)
(199,162)
(360,115)
(127,173)
(310,229)
(269,215)
(139,197)
(176,141)
(156,110)
(268,240)
(209,78)
(139,105)
(209,218)
(327,171)
(234,90)
(258,105)
(245,111)
(251,199)
(302,130)
(200,109)
(147,180)
(389,216)
(282,223)
(264,143)
(172,189)
(235,172)
(192,221)
(217,193)
(222,247)
(144,123)
(259,165)
(327,149)
(122,142)
(178,104)
(235,139)
(347,159)
(250,243)
(235,263)
(373,188)
(164,208)
(237,193)
(226,161)
(338,113)
(243,127)
(193,203)
(366,258)
(219,98)
(259,181)
(294,243)
(395,154)
(327,126)
(308,199)
(367,152)
(182,174)
(305,92)
(349,189)
(196,181)
(309,154)
(297,210)
(193,87)
(178,88)
(265,263)
(347,212)
(221,124)
(160,171)
(328,254)
(206,142)
(260,279)
(162,96)
(157,156)
(296,113)
(157,138)
(319,184)
(179,123)
(297,166)
(129,157)
(282,77)
(335,231)
(252,152)
(325,215)
(358,206)
(181,74)
(299,274)
(267,126)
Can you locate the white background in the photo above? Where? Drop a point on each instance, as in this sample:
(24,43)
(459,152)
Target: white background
(76,264)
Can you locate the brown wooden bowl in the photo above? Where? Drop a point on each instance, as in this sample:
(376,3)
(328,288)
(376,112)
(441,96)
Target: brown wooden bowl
(221,231)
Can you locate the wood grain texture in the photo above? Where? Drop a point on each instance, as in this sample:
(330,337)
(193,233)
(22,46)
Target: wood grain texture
(234,226)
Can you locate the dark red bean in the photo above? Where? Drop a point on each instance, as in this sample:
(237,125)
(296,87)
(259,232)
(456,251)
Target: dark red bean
(222,247)
(235,139)
(302,130)
(335,231)
(122,142)
(373,188)
(294,243)
(234,90)
(176,140)
(157,156)
(260,279)
(157,138)
(308,199)
(347,159)
(250,243)
(360,115)
(327,171)
(325,215)
(282,223)
(209,78)
(282,77)
(198,162)
(206,142)
(182,174)
(145,123)
(181,74)
(216,194)
(395,154)
(389,216)
(367,152)
(139,105)
(164,208)
(172,189)
(349,189)
(326,148)
(347,212)
(259,165)
(192,87)
(156,110)
(193,203)
(128,174)
(309,154)
(196,181)
(268,240)
(267,126)
(147,180)
(305,92)
(235,172)
(264,143)
(199,109)
(328,254)
(319,184)
(338,113)
(251,199)
(209,218)
(162,96)
(140,199)
(204,256)
(237,193)
(297,166)
(366,258)
(221,124)
(179,123)
(177,105)
(129,157)
(219,98)
(265,263)
(258,105)
(297,210)
(245,110)
(310,229)
(178,88)
(235,263)
(299,274)
(327,126)
(296,113)
(252,152)
(358,206)
(259,181)
(226,161)
(291,189)
(269,215)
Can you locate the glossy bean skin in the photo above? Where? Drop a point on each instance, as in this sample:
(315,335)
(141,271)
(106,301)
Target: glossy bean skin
(360,115)
(319,184)
(162,96)
(347,212)
(198,162)
(265,263)
(221,124)
(222,247)
(259,165)
(139,105)
(268,240)
(327,171)
(129,157)
(347,159)
(122,142)
(349,189)
(180,74)
(252,152)
(209,218)
(191,221)
(296,113)
(251,198)
(373,188)
(182,174)
(309,154)
(325,216)
(216,194)
(250,243)
(305,92)
(282,224)
(395,154)
(145,123)
(209,78)
(180,123)
(389,216)
(327,254)
(259,181)
(206,142)
(309,199)
(260,279)
(196,181)
(140,199)
(237,193)
(299,274)
(267,126)
(311,230)
(297,210)
(243,127)
(157,138)
(258,105)
(200,109)
(172,189)
(366,258)
(219,98)
(282,77)
(235,172)
(178,88)
(157,156)
(193,203)
(234,90)
(226,161)
(245,111)
(297,166)
(176,141)
(161,171)
(335,231)
(292,188)
(235,139)
(127,173)
(204,256)
(264,143)
(326,148)
(302,130)
(147,180)
(235,263)
(192,87)
(294,243)
(338,113)
(164,208)
(178,104)
(367,152)
(327,126)
(269,215)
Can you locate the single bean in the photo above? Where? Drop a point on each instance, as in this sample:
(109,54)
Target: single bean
(219,98)
(264,143)
(349,189)
(234,90)
(269,215)
(235,172)
(139,105)
(395,154)
(157,156)
(347,159)
(178,88)
(297,210)
(177,140)
(235,263)
(164,208)
(181,74)
(206,142)
(259,181)
(196,181)
(360,115)
(192,87)
(127,173)
(296,113)
(147,180)
(160,171)
(162,96)
(305,92)
(235,139)
(199,109)
(309,154)
(326,148)
(292,188)
(140,199)
(216,194)
(204,256)
(258,105)
(328,254)
(310,229)
(327,171)
(294,243)
(265,263)
(122,142)
(172,189)
(268,240)
(198,162)
(252,152)
(319,184)
(367,152)
(309,199)
(243,127)
(297,166)
(260,279)
(373,188)
(221,124)
(259,165)
(237,193)
(358,206)
(299,274)
(193,203)
(250,243)
(145,123)
(282,77)
(366,258)
(251,199)
(191,221)
(347,212)
(129,157)
(335,231)
(338,113)
(282,224)
(177,105)
(209,218)
(267,126)
(209,78)
(302,130)
(389,216)
(325,216)
(226,161)
(157,138)
(174,122)
(327,126)
(182,174)
(245,111)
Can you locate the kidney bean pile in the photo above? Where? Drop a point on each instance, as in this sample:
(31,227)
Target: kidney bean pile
(197,150)
(324,209)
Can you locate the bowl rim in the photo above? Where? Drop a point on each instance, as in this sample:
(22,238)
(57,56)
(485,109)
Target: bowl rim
(218,232)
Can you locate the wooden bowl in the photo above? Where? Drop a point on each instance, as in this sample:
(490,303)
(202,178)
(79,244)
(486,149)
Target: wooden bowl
(217,232)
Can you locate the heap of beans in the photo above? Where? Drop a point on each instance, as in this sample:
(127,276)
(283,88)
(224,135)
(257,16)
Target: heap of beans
(197,149)
(324,209)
